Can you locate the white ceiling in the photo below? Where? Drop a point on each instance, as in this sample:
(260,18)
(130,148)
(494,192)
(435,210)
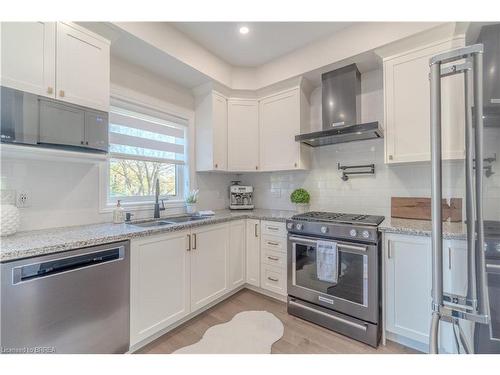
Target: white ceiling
(265,41)
(133,50)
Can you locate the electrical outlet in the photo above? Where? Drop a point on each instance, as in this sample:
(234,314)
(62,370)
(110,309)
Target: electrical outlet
(23,199)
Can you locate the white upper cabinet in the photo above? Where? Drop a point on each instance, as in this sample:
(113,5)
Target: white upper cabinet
(82,67)
(28,51)
(282,117)
(58,60)
(243,135)
(407,106)
(211,132)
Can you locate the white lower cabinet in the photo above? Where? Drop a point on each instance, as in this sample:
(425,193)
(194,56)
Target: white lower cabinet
(408,284)
(175,275)
(273,257)
(209,264)
(253,252)
(237,261)
(160,283)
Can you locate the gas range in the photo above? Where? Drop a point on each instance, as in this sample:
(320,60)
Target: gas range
(357,227)
(333,272)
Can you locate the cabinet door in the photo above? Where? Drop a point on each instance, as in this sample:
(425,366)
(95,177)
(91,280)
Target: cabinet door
(160,283)
(96,130)
(279,123)
(408,286)
(455,267)
(209,264)
(407,107)
(243,135)
(28,51)
(237,253)
(82,67)
(219,118)
(253,252)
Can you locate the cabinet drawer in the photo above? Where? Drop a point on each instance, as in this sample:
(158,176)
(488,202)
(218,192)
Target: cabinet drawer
(274,243)
(273,228)
(273,258)
(273,279)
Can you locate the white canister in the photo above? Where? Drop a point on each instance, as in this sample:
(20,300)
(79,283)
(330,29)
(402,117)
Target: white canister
(302,208)
(9,223)
(191,208)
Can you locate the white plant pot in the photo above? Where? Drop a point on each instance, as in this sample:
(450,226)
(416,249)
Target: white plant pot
(302,207)
(9,223)
(191,208)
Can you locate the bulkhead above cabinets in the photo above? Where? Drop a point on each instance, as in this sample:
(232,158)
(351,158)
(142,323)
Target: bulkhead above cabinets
(252,131)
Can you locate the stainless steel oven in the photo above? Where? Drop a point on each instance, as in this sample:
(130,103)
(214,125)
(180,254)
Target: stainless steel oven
(356,290)
(348,303)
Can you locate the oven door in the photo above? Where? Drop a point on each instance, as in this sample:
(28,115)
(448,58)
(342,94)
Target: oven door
(356,292)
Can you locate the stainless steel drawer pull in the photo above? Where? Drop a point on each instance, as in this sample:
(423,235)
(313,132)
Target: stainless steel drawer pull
(189,242)
(333,317)
(273,228)
(273,258)
(255,230)
(194,242)
(272,243)
(449,258)
(272,279)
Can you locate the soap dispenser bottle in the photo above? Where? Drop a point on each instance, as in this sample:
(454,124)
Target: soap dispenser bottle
(118,214)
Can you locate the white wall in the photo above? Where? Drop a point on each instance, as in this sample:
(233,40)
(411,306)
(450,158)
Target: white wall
(67,193)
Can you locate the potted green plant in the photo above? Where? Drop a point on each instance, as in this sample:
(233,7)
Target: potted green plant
(191,200)
(301,198)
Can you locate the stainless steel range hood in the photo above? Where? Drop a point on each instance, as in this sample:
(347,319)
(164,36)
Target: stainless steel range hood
(341,110)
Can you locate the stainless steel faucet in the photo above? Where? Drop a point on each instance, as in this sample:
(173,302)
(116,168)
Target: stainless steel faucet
(157,203)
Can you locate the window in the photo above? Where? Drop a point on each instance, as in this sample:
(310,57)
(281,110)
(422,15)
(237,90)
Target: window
(145,146)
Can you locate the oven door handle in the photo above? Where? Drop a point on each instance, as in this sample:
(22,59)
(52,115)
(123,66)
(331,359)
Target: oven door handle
(340,245)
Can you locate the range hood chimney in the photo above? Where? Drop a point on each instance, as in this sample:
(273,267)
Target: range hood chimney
(341,110)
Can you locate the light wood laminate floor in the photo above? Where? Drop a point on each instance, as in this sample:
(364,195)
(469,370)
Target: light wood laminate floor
(300,336)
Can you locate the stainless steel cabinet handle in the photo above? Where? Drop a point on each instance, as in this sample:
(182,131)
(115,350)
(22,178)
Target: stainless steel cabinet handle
(273,228)
(389,250)
(272,243)
(273,258)
(189,242)
(272,279)
(256,234)
(449,258)
(194,241)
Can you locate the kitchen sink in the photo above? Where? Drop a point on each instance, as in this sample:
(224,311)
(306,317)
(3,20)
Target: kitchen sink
(167,221)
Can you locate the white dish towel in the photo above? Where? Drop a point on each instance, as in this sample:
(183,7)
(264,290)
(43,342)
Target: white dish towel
(326,261)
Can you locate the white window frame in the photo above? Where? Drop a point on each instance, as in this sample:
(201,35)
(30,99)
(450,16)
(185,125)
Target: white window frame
(139,102)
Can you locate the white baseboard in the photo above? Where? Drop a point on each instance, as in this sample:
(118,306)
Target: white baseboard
(266,292)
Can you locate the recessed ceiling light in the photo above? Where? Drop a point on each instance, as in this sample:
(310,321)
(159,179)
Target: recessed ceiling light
(244,30)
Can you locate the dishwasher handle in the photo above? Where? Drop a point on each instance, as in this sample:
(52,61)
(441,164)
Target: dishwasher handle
(39,270)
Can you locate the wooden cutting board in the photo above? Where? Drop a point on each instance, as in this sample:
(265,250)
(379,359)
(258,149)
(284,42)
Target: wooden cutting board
(420,208)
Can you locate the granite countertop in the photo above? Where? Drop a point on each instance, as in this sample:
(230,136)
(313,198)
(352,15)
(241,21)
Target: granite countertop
(41,242)
(422,228)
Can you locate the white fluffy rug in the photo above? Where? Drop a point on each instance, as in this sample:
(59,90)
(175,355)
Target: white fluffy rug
(249,332)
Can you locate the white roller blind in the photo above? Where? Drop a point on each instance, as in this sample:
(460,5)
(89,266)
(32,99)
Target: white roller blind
(136,135)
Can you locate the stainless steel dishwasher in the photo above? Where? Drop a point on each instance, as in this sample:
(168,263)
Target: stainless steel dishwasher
(72,302)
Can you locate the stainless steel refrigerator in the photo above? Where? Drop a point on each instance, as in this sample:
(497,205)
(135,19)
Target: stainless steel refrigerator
(479,307)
